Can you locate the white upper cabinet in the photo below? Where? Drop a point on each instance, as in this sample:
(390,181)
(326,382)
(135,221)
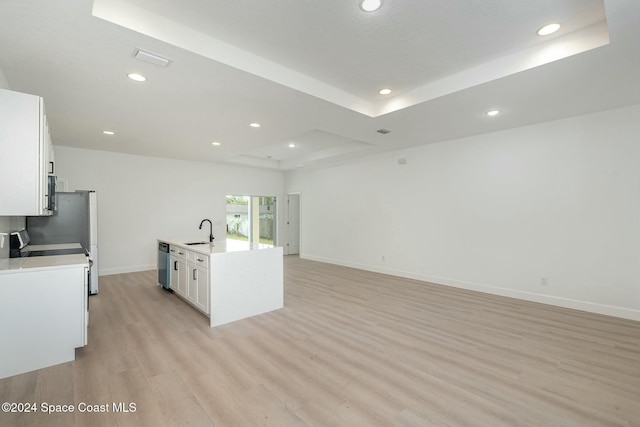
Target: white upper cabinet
(26,155)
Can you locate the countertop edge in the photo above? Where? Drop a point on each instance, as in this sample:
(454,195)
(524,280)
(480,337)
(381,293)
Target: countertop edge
(54,262)
(216,247)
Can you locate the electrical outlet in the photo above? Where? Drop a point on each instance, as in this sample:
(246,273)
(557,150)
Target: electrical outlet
(544,281)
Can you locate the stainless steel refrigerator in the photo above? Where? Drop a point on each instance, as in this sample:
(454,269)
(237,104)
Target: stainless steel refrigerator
(74,221)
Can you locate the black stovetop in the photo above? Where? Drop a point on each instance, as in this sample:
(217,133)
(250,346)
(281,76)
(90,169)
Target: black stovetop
(55,252)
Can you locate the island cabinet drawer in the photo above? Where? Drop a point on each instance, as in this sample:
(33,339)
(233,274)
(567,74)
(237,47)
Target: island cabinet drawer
(178,252)
(199,259)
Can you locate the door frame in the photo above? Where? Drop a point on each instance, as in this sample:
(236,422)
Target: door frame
(287,247)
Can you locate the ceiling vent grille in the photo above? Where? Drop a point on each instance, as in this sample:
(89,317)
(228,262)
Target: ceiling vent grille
(151,58)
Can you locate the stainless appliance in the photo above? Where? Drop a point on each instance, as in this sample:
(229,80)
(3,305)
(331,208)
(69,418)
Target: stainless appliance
(163,266)
(75,220)
(51,193)
(20,246)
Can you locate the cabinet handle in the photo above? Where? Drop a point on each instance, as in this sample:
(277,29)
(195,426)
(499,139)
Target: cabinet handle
(51,172)
(199,260)
(195,274)
(175,265)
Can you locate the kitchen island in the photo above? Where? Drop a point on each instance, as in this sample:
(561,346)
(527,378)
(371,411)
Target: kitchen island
(43,311)
(224,282)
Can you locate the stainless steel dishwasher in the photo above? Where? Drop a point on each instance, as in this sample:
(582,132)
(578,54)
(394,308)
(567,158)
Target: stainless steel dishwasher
(163,266)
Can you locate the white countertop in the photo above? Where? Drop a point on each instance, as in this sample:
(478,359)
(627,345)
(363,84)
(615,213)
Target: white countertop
(53,247)
(15,265)
(217,247)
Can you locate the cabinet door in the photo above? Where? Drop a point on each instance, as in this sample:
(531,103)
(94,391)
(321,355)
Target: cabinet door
(202,294)
(23,177)
(192,289)
(178,279)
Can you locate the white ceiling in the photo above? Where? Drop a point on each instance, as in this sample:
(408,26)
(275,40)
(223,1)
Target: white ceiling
(309,72)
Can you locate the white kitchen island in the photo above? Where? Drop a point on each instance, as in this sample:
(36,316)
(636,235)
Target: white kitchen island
(224,282)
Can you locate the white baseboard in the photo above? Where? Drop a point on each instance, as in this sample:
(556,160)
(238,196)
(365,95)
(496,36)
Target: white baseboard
(123,270)
(609,310)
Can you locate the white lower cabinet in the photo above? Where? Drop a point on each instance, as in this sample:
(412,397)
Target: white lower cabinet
(190,277)
(43,317)
(198,292)
(178,278)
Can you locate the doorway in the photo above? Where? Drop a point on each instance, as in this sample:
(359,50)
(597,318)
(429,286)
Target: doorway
(293,224)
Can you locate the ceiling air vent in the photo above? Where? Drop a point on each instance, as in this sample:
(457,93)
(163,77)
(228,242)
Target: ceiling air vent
(383,131)
(151,58)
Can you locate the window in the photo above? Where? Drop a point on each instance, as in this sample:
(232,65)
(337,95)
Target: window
(251,220)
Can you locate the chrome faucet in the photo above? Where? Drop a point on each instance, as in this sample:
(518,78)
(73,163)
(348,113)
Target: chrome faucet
(210,228)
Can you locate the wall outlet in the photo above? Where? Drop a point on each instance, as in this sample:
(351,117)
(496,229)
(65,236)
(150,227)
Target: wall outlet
(544,281)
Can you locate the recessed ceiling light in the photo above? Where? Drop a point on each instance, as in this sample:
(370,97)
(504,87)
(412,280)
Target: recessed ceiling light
(108,132)
(137,77)
(254,125)
(216,143)
(292,145)
(492,113)
(370,5)
(548,29)
(384,91)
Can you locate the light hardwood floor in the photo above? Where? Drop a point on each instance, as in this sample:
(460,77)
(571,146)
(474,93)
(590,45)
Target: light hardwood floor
(350,348)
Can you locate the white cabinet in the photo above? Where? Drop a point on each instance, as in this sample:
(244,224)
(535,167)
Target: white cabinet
(178,277)
(190,276)
(43,317)
(27,155)
(198,289)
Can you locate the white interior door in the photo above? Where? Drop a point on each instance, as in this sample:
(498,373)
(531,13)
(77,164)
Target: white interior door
(293,224)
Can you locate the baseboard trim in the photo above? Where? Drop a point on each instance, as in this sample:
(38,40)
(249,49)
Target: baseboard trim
(591,307)
(123,270)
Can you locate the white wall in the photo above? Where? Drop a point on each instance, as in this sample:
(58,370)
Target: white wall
(3,81)
(494,213)
(141,199)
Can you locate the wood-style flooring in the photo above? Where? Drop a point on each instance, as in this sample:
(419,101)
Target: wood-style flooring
(350,348)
